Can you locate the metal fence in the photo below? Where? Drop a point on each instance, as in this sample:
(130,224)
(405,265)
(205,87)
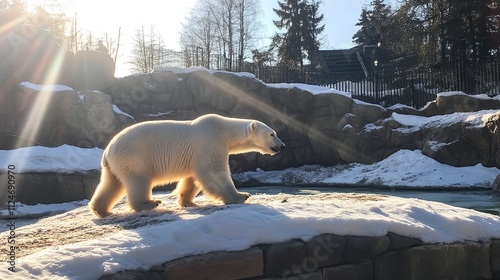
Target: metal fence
(388,87)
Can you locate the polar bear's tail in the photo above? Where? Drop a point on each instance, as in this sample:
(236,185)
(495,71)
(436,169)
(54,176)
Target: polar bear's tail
(108,193)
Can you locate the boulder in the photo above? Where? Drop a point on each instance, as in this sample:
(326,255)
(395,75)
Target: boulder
(362,248)
(453,261)
(93,70)
(29,53)
(53,116)
(461,102)
(217,265)
(284,259)
(492,128)
(352,271)
(495,186)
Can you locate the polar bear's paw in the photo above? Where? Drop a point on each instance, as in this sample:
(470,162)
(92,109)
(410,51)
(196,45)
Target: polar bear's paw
(148,205)
(239,198)
(187,204)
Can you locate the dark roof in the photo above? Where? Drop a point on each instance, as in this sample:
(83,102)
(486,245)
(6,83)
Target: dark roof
(350,62)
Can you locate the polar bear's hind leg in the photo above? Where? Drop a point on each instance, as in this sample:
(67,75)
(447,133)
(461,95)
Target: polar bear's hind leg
(107,194)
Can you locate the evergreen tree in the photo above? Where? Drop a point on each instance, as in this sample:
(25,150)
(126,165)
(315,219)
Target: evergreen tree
(312,30)
(289,43)
(302,21)
(364,23)
(447,31)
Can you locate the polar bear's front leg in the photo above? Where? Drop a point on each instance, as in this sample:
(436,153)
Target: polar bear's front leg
(219,185)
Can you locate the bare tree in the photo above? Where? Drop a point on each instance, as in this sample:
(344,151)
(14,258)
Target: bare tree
(148,51)
(198,32)
(227,28)
(112,45)
(248,28)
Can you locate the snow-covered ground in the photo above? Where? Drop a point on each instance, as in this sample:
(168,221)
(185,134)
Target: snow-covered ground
(63,159)
(76,245)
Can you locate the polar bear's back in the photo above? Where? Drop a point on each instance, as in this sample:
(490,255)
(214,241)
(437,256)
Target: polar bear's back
(156,147)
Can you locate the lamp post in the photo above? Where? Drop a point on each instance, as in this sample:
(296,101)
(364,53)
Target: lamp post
(375,80)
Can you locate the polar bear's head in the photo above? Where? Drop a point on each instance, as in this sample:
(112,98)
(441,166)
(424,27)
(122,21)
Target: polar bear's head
(263,138)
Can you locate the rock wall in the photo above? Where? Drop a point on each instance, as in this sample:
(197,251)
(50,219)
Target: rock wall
(50,187)
(28,53)
(322,129)
(325,129)
(337,257)
(55,116)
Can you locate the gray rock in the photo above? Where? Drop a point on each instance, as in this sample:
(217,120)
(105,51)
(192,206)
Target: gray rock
(285,259)
(350,272)
(454,261)
(93,70)
(361,248)
(495,186)
(217,265)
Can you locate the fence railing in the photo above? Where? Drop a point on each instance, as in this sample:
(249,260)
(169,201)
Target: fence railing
(413,87)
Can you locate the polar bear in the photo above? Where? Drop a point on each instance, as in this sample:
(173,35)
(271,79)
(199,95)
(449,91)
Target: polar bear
(193,153)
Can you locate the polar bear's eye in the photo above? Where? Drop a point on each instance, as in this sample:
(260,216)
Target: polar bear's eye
(272,134)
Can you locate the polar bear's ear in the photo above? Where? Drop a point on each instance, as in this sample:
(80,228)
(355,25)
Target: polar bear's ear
(252,127)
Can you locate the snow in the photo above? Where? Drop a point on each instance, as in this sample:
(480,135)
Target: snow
(450,93)
(405,169)
(313,89)
(178,70)
(170,233)
(118,111)
(63,159)
(51,88)
(472,119)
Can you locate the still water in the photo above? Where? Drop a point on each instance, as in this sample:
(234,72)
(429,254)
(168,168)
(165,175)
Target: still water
(480,200)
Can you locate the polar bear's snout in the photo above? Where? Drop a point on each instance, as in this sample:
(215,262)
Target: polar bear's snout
(279,145)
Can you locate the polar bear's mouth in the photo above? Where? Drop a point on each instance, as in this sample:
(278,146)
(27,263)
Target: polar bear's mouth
(276,150)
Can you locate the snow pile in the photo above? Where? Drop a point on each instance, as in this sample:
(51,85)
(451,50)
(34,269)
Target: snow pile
(63,159)
(313,89)
(169,232)
(473,119)
(404,168)
(48,88)
(178,70)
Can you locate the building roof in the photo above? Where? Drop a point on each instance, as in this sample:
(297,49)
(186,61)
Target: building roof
(345,63)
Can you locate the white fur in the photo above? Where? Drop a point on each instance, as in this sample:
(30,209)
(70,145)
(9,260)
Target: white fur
(195,153)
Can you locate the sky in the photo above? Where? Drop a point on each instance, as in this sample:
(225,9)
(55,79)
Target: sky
(340,17)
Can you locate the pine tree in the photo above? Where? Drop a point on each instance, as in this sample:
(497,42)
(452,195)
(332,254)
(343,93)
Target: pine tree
(364,23)
(312,30)
(302,23)
(289,43)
